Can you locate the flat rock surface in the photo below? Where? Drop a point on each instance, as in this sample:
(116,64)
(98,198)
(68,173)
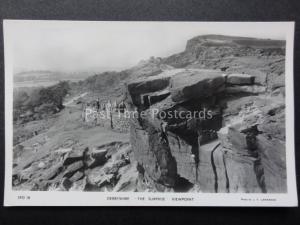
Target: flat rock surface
(193,84)
(240,79)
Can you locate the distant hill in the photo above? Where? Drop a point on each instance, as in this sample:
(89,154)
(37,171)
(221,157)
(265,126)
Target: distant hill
(47,75)
(206,47)
(237,41)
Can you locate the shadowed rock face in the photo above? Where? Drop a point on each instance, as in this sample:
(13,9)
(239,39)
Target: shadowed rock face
(236,143)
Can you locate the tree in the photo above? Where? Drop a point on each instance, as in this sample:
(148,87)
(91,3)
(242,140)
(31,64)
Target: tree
(40,100)
(55,94)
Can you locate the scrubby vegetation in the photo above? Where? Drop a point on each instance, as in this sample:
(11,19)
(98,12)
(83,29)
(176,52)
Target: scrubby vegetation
(32,104)
(101,82)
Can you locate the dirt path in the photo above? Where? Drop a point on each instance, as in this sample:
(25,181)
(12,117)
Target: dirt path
(71,101)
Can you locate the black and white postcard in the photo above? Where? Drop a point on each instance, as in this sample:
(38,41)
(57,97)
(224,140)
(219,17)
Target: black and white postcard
(149,113)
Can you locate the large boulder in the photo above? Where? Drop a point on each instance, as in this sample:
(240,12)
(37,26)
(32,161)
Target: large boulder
(73,168)
(129,179)
(52,172)
(240,79)
(254,144)
(66,184)
(273,162)
(79,185)
(106,176)
(242,175)
(154,155)
(97,157)
(138,89)
(182,152)
(194,84)
(74,155)
(77,176)
(246,89)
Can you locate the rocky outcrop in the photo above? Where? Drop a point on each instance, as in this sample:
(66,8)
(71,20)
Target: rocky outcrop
(101,168)
(240,79)
(191,84)
(214,50)
(214,130)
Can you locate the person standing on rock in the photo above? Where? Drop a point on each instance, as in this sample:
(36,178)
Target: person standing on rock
(108,108)
(109,113)
(122,107)
(83,112)
(163,127)
(98,104)
(114,106)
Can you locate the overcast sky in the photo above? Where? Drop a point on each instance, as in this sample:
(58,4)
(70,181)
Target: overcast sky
(97,46)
